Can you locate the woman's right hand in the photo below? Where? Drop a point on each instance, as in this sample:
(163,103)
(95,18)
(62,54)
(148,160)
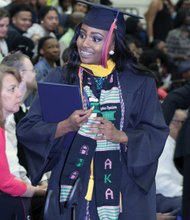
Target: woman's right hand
(73,122)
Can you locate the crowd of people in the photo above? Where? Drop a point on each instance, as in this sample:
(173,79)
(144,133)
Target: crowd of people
(125,154)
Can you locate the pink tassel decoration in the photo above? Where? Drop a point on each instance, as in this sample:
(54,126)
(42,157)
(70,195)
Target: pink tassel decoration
(104,56)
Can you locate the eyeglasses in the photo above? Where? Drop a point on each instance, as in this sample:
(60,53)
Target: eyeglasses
(178,121)
(31,70)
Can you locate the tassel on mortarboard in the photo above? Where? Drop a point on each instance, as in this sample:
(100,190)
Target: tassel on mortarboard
(104,56)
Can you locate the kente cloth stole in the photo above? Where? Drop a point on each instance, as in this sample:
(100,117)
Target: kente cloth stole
(105,96)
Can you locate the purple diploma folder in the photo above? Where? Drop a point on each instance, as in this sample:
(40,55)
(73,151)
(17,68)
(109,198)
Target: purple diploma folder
(58,101)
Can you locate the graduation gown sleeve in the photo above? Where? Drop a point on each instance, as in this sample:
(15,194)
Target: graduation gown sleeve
(39,137)
(145,127)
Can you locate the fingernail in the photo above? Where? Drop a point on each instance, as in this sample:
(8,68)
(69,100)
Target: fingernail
(92,108)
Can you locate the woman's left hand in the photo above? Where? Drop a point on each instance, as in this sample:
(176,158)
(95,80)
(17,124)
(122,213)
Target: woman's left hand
(105,130)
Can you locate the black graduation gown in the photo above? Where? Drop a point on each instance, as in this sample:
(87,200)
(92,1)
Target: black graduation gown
(147,132)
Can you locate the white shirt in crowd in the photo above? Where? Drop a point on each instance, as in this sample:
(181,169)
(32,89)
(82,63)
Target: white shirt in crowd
(168,179)
(11,150)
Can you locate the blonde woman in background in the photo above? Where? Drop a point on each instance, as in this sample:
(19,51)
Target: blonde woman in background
(13,191)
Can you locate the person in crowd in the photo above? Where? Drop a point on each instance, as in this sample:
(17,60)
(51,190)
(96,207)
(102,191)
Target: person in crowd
(103,157)
(48,26)
(135,31)
(78,6)
(159,19)
(168,179)
(179,98)
(36,6)
(75,7)
(182,75)
(64,6)
(159,45)
(24,66)
(184,70)
(4,22)
(178,39)
(65,56)
(135,47)
(20,21)
(13,190)
(20,16)
(182,4)
(28,86)
(169,79)
(158,61)
(74,19)
(15,150)
(48,56)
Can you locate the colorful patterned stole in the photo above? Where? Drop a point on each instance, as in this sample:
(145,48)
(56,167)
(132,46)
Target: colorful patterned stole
(102,156)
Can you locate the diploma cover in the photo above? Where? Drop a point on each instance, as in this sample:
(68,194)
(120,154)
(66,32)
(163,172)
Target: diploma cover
(58,101)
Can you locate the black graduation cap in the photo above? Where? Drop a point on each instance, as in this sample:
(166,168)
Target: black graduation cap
(105,18)
(101,16)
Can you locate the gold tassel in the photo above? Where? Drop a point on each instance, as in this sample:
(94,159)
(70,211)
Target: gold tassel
(89,193)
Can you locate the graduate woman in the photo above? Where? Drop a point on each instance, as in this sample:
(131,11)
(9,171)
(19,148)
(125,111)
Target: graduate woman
(107,171)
